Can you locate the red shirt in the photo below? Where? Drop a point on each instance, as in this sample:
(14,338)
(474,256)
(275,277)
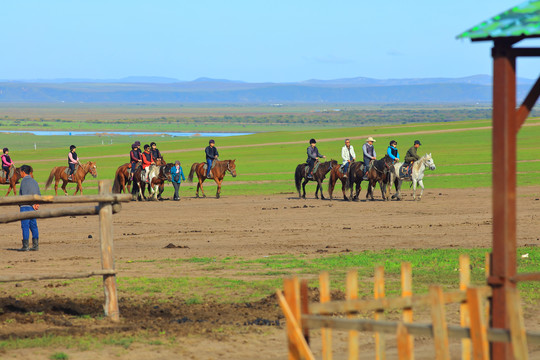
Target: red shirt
(147,159)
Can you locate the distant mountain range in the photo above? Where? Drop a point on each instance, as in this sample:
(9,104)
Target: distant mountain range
(131,89)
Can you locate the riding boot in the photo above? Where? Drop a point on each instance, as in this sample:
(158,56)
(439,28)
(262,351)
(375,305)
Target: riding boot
(35,245)
(310,176)
(70,178)
(24,245)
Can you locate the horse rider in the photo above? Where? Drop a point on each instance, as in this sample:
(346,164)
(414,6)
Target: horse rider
(392,151)
(6,162)
(348,155)
(369,154)
(412,155)
(211,155)
(155,151)
(313,155)
(73,160)
(135,157)
(147,160)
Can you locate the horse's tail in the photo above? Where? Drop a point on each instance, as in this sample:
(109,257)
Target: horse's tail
(50,179)
(298,177)
(190,176)
(117,186)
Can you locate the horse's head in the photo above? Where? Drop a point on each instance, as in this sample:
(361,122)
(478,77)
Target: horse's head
(161,162)
(428,161)
(165,172)
(92,168)
(231,167)
(333,163)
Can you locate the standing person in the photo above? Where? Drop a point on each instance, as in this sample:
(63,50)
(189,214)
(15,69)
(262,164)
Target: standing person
(313,155)
(155,151)
(147,160)
(73,160)
(348,155)
(6,162)
(412,155)
(392,151)
(211,155)
(176,174)
(135,158)
(369,154)
(29,186)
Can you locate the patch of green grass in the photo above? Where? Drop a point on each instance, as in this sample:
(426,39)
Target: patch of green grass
(59,356)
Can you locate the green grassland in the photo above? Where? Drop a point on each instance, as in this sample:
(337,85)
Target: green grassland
(266,161)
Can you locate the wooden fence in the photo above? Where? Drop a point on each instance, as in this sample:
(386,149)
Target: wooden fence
(303,316)
(107,205)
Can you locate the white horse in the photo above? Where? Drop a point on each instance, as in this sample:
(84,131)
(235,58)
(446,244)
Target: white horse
(151,172)
(417,177)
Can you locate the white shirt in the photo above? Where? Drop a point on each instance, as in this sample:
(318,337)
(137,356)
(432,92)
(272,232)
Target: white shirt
(346,154)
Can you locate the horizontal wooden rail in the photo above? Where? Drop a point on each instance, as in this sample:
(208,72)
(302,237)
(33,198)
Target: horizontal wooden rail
(390,327)
(58,276)
(49,199)
(347,306)
(52,213)
(525,277)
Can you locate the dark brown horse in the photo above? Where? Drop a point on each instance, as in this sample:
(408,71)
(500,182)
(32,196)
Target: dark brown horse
(218,172)
(318,176)
(59,173)
(13,180)
(335,175)
(356,176)
(121,179)
(380,172)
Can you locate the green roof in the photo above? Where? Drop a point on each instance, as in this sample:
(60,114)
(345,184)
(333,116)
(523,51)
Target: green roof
(522,20)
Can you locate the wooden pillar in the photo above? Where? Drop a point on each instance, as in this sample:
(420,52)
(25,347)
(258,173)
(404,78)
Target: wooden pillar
(503,266)
(107,259)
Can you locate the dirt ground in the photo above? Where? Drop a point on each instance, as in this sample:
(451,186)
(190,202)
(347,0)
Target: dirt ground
(247,227)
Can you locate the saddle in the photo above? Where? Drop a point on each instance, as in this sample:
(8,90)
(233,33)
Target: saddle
(405,171)
(3,173)
(315,167)
(205,166)
(67,169)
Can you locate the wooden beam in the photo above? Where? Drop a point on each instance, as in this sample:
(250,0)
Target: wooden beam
(380,343)
(464,282)
(406,292)
(54,213)
(352,294)
(525,277)
(49,199)
(324,294)
(292,294)
(527,105)
(517,325)
(438,318)
(55,276)
(477,325)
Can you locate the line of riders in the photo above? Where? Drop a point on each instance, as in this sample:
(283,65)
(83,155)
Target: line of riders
(369,155)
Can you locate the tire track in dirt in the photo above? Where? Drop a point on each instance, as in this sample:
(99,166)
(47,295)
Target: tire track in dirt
(297,142)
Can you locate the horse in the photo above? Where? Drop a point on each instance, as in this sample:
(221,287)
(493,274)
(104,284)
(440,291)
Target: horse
(356,176)
(336,174)
(318,176)
(218,172)
(13,180)
(380,172)
(139,184)
(158,182)
(59,173)
(417,176)
(121,179)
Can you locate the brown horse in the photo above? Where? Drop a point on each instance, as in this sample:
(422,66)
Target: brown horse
(335,175)
(381,172)
(318,176)
(121,179)
(59,173)
(356,176)
(13,180)
(218,173)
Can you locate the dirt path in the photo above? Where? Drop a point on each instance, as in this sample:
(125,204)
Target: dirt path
(245,227)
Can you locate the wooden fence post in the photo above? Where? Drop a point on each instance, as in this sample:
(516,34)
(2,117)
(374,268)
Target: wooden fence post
(304,306)
(487,301)
(517,325)
(478,330)
(107,259)
(324,294)
(464,282)
(438,318)
(405,352)
(352,294)
(380,346)
(406,291)
(292,295)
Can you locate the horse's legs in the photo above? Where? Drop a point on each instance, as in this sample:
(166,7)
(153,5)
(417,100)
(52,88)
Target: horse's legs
(421,183)
(64,184)
(304,188)
(331,184)
(202,189)
(383,189)
(319,184)
(343,182)
(218,192)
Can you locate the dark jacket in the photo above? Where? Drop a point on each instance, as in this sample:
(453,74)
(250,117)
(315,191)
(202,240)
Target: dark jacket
(29,186)
(392,152)
(134,156)
(411,155)
(211,152)
(155,153)
(313,153)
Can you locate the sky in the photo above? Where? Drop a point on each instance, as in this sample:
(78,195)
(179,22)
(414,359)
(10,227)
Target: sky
(253,41)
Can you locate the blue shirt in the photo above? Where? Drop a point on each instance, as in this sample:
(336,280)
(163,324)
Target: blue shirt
(393,152)
(174,172)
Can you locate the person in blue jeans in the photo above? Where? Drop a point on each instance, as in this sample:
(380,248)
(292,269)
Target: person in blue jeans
(29,186)
(211,155)
(176,174)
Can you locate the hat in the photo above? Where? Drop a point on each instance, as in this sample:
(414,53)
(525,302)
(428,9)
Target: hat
(393,142)
(370,139)
(417,142)
(312,141)
(211,141)
(137,143)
